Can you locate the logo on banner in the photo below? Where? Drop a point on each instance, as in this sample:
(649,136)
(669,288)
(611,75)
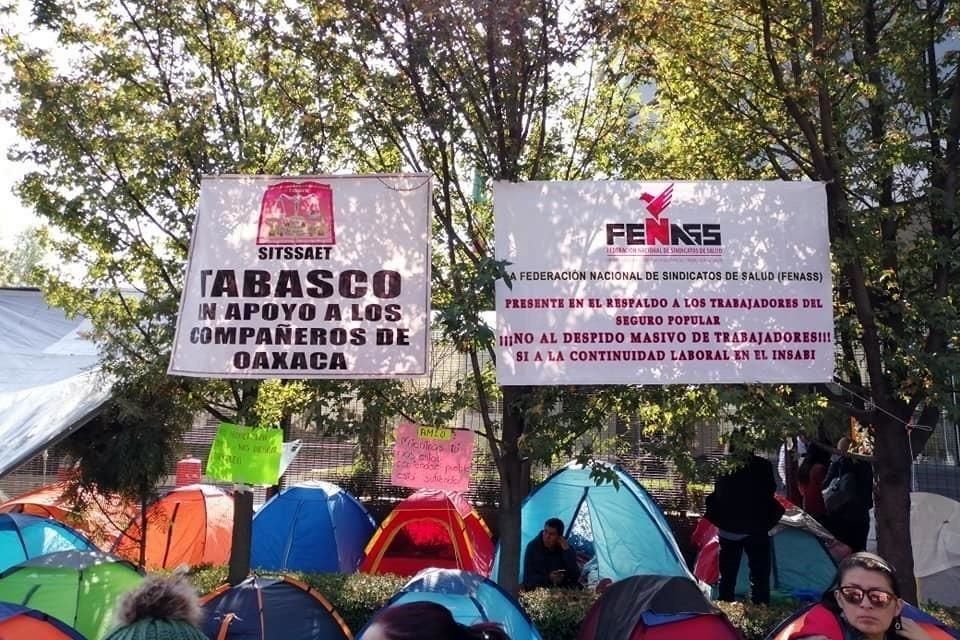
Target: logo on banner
(657,235)
(296,213)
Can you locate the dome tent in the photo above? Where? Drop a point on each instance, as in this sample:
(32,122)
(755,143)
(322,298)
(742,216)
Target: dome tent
(79,588)
(935,535)
(98,516)
(313,527)
(270,609)
(618,526)
(190,525)
(655,608)
(430,529)
(804,555)
(23,537)
(471,599)
(21,622)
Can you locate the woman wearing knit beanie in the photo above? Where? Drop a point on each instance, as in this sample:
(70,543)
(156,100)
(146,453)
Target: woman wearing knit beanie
(159,609)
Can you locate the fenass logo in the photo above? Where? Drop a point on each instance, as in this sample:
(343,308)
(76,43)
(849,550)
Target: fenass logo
(296,213)
(657,235)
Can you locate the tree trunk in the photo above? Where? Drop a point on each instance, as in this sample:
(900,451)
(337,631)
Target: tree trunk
(892,504)
(242,529)
(514,484)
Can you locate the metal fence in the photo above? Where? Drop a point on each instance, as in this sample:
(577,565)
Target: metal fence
(335,460)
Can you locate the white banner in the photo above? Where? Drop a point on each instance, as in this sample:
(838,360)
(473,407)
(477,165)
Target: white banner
(663,283)
(307,277)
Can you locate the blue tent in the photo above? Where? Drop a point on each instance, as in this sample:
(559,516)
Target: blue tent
(620,531)
(470,597)
(23,537)
(313,527)
(270,609)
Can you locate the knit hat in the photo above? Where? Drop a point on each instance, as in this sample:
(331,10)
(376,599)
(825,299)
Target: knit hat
(160,608)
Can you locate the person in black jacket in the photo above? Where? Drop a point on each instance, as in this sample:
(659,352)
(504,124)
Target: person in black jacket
(850,523)
(744,509)
(549,561)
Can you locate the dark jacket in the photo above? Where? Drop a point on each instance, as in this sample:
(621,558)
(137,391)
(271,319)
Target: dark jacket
(862,471)
(538,562)
(743,501)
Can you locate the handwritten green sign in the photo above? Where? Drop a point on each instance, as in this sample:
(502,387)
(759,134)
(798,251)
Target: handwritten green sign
(245,455)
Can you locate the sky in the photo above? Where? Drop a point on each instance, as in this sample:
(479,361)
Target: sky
(14,218)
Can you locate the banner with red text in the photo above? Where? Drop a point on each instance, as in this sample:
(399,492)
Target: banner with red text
(432,457)
(307,277)
(663,283)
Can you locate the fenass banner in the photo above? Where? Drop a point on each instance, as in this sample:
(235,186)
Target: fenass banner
(307,277)
(663,283)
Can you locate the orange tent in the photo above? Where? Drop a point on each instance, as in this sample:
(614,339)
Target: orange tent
(191,525)
(21,622)
(99,516)
(430,529)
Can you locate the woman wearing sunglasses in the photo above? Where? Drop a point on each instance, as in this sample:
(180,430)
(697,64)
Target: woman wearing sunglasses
(865,604)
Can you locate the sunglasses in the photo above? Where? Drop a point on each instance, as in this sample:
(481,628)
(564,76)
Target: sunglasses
(877,597)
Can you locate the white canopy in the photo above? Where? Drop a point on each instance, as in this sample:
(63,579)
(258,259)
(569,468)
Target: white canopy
(935,534)
(50,379)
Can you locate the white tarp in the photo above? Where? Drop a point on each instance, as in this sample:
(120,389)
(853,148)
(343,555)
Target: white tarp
(663,283)
(50,382)
(307,277)
(935,536)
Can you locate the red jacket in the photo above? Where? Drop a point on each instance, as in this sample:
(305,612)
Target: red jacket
(820,621)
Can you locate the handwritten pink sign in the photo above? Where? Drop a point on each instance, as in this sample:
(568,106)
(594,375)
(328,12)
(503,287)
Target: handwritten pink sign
(432,457)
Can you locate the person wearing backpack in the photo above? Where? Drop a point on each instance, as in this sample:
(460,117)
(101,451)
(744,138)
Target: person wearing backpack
(848,497)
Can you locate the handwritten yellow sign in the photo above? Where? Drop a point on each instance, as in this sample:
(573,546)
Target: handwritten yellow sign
(434,433)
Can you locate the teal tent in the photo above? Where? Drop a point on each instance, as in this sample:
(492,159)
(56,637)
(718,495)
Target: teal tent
(24,536)
(804,556)
(470,597)
(617,529)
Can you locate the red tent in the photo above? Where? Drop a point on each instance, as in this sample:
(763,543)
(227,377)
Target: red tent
(437,529)
(191,525)
(655,608)
(99,516)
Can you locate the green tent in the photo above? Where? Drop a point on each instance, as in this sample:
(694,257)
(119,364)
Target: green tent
(80,588)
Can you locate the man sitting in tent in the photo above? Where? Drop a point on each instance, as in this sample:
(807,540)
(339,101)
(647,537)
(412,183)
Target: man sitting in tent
(549,560)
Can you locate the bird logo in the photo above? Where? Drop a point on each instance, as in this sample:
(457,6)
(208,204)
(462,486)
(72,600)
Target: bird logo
(656,204)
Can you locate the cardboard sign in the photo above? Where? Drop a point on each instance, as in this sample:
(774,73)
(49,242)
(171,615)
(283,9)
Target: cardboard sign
(663,283)
(424,460)
(307,277)
(245,455)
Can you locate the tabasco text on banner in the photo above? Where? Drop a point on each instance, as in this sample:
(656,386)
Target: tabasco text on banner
(432,458)
(663,283)
(308,277)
